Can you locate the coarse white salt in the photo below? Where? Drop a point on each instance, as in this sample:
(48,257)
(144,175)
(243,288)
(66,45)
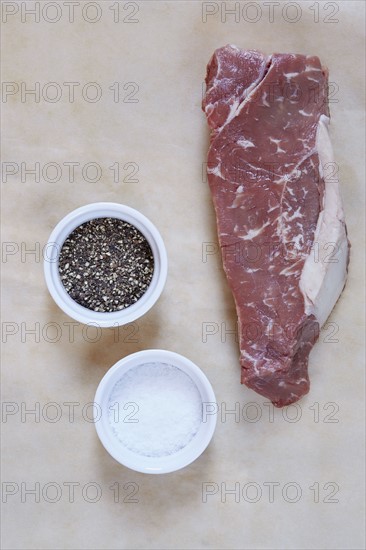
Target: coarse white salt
(155,409)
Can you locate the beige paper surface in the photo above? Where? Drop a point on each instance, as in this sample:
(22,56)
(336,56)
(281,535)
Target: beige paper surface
(297,473)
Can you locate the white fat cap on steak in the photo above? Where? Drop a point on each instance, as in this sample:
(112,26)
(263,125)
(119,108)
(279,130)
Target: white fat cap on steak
(325,269)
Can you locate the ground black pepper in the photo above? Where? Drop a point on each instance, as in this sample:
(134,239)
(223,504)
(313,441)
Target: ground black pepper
(106,264)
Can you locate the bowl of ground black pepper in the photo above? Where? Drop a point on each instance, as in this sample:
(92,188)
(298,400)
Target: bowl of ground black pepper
(105,264)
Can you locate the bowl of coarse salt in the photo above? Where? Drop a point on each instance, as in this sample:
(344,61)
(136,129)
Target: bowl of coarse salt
(154,411)
(105,264)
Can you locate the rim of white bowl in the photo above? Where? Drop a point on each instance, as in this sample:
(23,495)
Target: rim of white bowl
(145,464)
(104,210)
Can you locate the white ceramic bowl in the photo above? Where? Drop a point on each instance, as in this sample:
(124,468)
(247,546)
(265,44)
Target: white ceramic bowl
(63,230)
(146,464)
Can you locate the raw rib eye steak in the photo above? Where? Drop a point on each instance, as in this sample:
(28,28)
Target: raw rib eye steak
(279,214)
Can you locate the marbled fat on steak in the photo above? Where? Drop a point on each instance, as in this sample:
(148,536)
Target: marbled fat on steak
(279,212)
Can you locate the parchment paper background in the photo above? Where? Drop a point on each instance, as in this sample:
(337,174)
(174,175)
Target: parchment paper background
(162,48)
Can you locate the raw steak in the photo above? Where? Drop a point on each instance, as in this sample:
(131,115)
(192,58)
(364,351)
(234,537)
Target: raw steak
(279,213)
